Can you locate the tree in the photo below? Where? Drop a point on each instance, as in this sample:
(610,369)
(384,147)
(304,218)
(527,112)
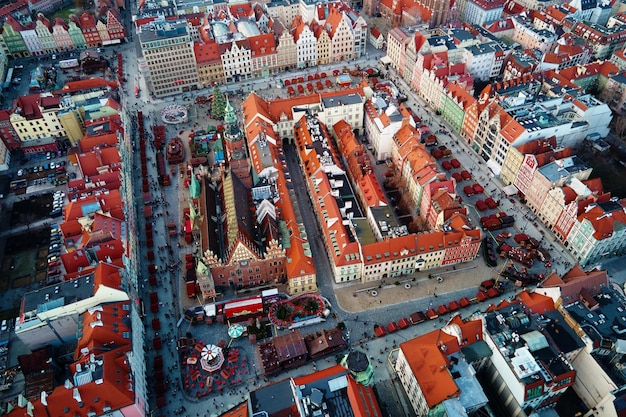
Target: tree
(619,127)
(219,104)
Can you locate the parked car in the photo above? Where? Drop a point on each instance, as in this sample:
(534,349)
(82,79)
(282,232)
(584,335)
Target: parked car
(53,264)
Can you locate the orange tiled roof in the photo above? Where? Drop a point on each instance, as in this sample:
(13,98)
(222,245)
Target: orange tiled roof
(240,410)
(88,143)
(426,358)
(604,225)
(92,162)
(299,263)
(537,303)
(262,45)
(89,84)
(206,53)
(97,334)
(372,192)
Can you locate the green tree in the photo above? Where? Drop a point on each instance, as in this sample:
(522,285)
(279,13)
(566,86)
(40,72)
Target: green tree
(219,104)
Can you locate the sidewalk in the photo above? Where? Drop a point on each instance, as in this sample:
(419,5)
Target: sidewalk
(358,298)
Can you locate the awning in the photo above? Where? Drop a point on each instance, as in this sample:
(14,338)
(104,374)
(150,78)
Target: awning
(510,190)
(494,167)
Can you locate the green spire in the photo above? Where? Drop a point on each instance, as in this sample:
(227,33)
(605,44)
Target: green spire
(229,113)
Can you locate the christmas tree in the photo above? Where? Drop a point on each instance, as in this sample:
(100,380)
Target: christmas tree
(219,104)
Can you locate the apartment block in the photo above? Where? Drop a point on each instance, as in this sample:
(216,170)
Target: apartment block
(162,44)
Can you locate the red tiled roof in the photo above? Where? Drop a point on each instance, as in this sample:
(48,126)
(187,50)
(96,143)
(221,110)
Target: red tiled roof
(604,224)
(537,303)
(206,53)
(262,45)
(575,280)
(88,143)
(426,356)
(89,84)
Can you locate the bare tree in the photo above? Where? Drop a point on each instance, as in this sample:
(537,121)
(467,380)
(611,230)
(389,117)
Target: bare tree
(619,127)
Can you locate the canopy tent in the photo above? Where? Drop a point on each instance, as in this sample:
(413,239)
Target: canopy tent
(202,269)
(510,190)
(494,167)
(235,331)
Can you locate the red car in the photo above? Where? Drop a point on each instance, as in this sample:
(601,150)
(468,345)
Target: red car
(54,272)
(53,264)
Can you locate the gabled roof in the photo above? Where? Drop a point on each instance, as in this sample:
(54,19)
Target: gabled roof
(536,302)
(605,221)
(29,106)
(86,21)
(575,280)
(206,53)
(93,162)
(103,328)
(262,45)
(426,356)
(372,192)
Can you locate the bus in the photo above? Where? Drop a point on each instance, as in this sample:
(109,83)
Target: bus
(9,78)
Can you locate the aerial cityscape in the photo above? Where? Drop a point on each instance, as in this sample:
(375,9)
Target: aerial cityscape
(301,208)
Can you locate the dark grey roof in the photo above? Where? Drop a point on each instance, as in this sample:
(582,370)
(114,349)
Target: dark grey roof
(55,296)
(272,398)
(357,361)
(342,100)
(476,351)
(513,327)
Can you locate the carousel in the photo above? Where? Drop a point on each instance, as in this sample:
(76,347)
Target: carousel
(174,114)
(211,358)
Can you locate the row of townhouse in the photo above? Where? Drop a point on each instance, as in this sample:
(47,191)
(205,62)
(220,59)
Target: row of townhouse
(233,49)
(444,53)
(90,307)
(526,108)
(41,37)
(41,122)
(350,206)
(557,187)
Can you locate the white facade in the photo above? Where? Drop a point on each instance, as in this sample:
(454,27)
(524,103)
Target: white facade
(32,41)
(307,48)
(48,45)
(484,61)
(236,62)
(477,14)
(360,37)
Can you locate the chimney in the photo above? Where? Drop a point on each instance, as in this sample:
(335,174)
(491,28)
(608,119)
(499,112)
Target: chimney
(76,396)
